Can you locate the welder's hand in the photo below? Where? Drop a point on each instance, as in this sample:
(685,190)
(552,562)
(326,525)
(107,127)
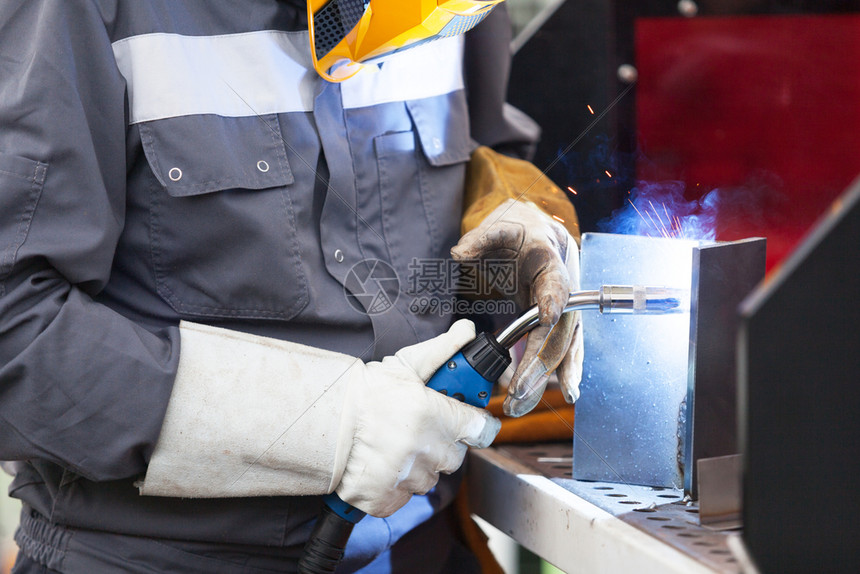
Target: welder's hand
(547,264)
(405,433)
(256,416)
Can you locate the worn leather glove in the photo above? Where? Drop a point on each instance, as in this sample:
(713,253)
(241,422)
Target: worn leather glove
(254,416)
(547,263)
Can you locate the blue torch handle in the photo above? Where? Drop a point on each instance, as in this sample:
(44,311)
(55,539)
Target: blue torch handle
(459,380)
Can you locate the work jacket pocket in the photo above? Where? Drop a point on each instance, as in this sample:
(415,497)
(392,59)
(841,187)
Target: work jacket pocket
(223,236)
(21,181)
(421,178)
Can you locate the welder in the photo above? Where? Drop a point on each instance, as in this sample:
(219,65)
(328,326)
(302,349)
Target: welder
(191,194)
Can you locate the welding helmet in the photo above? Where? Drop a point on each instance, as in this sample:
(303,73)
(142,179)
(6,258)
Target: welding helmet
(346,33)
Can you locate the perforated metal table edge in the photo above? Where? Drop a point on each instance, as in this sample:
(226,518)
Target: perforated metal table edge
(663,513)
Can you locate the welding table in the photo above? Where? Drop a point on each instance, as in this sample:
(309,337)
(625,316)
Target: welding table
(590,527)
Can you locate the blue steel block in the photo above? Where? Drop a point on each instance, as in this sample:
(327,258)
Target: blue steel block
(630,417)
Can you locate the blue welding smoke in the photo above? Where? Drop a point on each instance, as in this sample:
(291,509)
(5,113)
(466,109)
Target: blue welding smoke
(661,210)
(664,209)
(602,179)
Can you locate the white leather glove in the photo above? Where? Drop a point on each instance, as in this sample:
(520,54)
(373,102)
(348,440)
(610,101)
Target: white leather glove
(254,416)
(547,260)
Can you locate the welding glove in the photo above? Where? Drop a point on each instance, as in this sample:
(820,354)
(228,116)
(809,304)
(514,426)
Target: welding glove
(547,266)
(254,416)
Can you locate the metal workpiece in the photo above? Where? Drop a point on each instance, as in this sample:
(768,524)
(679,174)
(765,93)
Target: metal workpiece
(719,489)
(607,299)
(724,274)
(658,393)
(634,383)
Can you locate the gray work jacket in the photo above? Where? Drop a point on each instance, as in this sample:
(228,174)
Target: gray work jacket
(181,160)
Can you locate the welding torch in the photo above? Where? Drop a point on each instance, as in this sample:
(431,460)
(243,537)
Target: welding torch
(469,377)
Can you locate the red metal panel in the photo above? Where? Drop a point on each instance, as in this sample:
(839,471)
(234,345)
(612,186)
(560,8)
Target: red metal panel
(767,108)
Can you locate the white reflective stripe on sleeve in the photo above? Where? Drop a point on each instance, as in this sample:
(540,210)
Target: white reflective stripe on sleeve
(432,69)
(235,75)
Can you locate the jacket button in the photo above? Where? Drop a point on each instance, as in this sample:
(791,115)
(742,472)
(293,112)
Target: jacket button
(175,174)
(263,166)
(338,255)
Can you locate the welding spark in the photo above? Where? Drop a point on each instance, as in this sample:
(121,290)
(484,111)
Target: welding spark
(590,110)
(659,228)
(660,210)
(657,213)
(637,210)
(674,223)
(668,217)
(662,227)
(606,171)
(671,228)
(571,190)
(557,218)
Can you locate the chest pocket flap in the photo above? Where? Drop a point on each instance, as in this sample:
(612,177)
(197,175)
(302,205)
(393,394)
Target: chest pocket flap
(199,154)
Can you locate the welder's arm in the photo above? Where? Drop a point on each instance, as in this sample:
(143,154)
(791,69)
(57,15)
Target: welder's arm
(493,178)
(81,386)
(253,416)
(514,212)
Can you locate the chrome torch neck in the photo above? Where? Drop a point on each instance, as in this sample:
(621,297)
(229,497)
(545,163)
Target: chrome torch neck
(608,299)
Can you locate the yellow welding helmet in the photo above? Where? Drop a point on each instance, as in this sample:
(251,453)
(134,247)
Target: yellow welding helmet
(346,33)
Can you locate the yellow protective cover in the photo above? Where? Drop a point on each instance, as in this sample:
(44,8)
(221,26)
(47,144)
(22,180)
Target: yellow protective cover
(385,26)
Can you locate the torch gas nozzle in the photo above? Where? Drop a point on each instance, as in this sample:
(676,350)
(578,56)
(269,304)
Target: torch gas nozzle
(639,299)
(608,299)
